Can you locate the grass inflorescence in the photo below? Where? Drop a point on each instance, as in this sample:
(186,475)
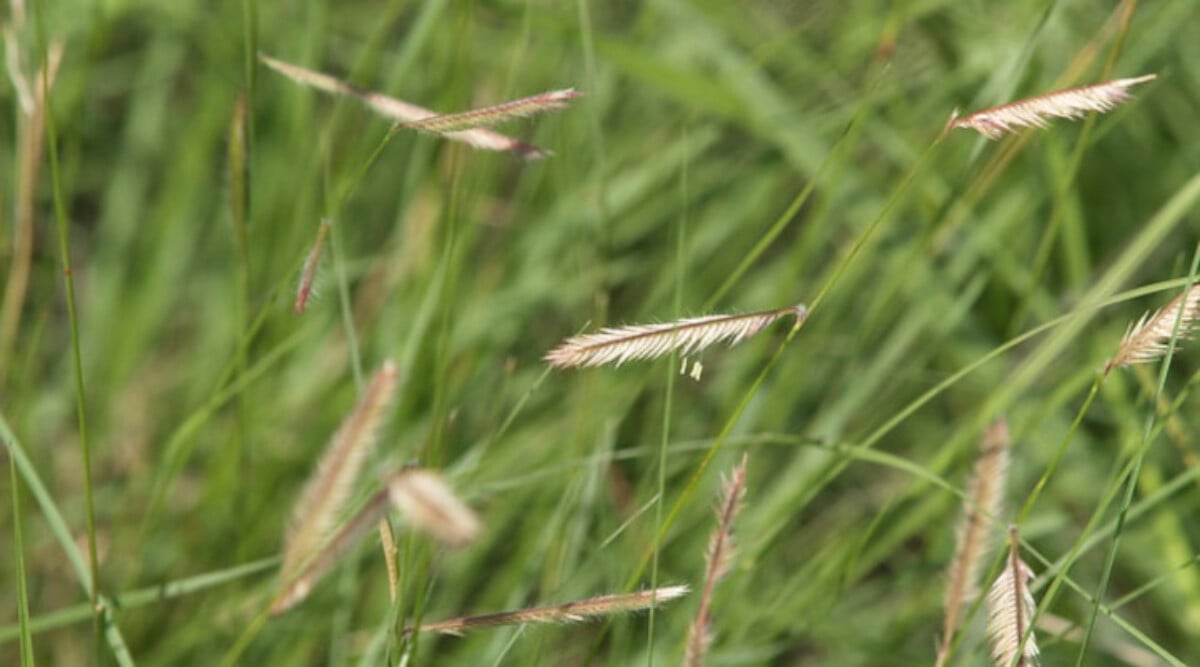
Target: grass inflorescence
(498,492)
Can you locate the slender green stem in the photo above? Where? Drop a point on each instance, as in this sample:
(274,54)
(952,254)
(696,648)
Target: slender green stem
(669,400)
(104,625)
(54,518)
(250,52)
(345,307)
(712,452)
(1042,256)
(1132,481)
(22,586)
(789,214)
(1060,452)
(243,641)
(143,597)
(874,225)
(64,250)
(239,212)
(879,433)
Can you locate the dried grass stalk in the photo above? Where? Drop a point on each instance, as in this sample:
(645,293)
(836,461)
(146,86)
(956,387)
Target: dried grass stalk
(12,58)
(1149,338)
(297,587)
(648,341)
(996,122)
(308,275)
(1011,608)
(720,554)
(401,111)
(30,148)
(571,612)
(984,504)
(494,114)
(425,499)
(324,497)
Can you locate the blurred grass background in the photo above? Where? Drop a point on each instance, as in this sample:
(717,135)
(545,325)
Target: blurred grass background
(208,401)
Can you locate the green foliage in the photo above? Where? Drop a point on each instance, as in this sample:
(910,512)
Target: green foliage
(950,283)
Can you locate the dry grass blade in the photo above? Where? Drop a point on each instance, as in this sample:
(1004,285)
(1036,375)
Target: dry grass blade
(494,114)
(308,275)
(1011,608)
(12,57)
(425,499)
(401,111)
(985,500)
(297,588)
(647,341)
(720,553)
(1148,339)
(30,147)
(326,492)
(570,612)
(996,122)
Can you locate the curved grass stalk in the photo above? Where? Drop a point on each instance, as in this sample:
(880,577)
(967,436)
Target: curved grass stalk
(64,252)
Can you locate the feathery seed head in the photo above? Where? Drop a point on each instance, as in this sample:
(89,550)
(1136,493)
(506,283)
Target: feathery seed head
(1150,338)
(984,503)
(327,490)
(570,612)
(1011,609)
(401,111)
(995,122)
(425,499)
(617,345)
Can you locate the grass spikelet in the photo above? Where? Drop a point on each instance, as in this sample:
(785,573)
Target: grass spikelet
(985,500)
(995,122)
(388,541)
(618,345)
(570,612)
(494,114)
(1010,610)
(720,554)
(401,111)
(1148,339)
(297,587)
(326,492)
(425,499)
(308,274)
